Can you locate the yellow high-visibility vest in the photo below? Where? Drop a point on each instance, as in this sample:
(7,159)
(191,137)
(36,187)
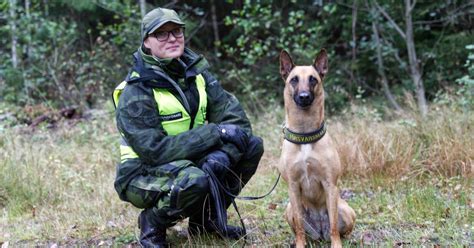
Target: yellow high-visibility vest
(172,114)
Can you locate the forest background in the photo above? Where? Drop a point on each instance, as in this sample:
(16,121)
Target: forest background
(402,70)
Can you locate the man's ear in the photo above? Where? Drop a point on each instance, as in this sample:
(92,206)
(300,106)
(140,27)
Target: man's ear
(286,64)
(321,63)
(146,43)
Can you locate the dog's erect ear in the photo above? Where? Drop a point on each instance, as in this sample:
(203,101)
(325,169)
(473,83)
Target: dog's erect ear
(286,64)
(321,63)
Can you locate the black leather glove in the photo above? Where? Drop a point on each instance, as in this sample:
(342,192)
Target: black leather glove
(233,134)
(217,162)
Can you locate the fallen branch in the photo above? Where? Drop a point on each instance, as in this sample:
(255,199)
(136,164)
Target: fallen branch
(53,117)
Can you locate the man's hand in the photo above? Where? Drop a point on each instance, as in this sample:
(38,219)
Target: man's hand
(217,162)
(233,134)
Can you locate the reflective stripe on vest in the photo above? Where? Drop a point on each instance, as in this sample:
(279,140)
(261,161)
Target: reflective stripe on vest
(173,116)
(126,152)
(118,90)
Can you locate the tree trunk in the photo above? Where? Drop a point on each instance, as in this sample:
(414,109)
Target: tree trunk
(46,8)
(415,72)
(381,71)
(215,27)
(29,47)
(413,61)
(354,25)
(12,9)
(353,73)
(143,8)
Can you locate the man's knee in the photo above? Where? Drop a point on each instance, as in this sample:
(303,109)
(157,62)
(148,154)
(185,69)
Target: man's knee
(193,188)
(248,165)
(199,185)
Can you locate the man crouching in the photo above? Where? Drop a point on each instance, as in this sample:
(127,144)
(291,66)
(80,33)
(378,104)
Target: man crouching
(178,125)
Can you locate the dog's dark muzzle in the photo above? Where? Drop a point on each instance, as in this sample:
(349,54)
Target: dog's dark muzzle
(303,99)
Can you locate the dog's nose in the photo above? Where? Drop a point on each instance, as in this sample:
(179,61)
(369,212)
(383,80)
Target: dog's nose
(303,99)
(304,96)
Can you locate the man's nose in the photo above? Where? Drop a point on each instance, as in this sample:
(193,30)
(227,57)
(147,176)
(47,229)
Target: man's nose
(171,37)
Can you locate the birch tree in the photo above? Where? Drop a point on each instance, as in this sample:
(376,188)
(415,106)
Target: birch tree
(12,11)
(143,8)
(215,27)
(381,70)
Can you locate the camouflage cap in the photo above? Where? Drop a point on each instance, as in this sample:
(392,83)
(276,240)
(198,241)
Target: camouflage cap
(156,18)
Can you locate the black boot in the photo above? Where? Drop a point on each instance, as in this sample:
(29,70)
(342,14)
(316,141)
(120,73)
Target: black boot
(150,236)
(197,226)
(233,232)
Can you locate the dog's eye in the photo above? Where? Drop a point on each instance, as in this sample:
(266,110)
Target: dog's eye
(313,80)
(294,80)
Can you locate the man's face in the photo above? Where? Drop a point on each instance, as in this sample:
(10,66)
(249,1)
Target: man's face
(164,44)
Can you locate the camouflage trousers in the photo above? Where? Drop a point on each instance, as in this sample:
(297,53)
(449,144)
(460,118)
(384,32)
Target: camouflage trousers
(174,191)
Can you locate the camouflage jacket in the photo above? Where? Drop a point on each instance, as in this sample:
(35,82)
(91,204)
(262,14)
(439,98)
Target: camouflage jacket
(138,119)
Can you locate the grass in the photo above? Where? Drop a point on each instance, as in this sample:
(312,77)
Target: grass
(409,181)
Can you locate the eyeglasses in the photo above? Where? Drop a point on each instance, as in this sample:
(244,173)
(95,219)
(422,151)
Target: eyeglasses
(164,35)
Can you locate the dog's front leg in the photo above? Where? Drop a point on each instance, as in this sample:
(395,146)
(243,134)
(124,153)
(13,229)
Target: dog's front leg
(297,213)
(332,196)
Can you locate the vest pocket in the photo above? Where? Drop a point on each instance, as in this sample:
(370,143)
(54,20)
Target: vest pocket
(175,127)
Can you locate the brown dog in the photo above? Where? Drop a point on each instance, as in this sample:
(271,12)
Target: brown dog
(309,161)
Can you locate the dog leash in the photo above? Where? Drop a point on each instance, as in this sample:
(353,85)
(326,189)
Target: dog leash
(250,198)
(221,213)
(215,186)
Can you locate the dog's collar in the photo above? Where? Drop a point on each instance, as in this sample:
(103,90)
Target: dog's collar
(305,138)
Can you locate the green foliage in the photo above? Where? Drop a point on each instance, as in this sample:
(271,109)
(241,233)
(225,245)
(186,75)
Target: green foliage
(125,239)
(462,96)
(83,5)
(75,52)
(467,81)
(261,31)
(13,84)
(63,64)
